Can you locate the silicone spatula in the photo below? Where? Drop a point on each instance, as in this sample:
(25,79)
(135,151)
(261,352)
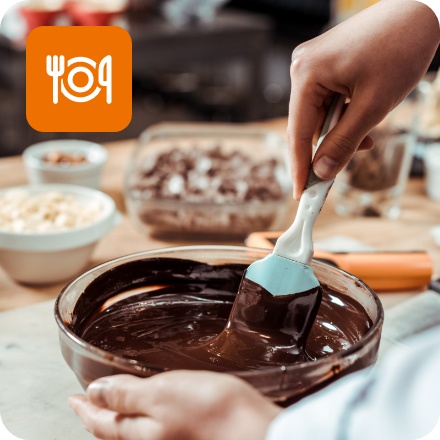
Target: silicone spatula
(287,269)
(279,296)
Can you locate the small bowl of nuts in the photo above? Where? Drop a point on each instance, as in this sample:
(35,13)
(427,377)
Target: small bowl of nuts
(208,180)
(48,231)
(73,162)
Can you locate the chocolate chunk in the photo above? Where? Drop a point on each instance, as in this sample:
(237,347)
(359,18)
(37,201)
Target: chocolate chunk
(201,178)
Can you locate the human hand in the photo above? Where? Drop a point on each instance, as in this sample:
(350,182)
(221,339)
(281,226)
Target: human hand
(375,59)
(176,405)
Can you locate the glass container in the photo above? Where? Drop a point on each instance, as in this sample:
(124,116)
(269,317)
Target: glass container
(283,384)
(208,180)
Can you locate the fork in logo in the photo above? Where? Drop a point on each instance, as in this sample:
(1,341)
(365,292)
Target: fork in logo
(55,67)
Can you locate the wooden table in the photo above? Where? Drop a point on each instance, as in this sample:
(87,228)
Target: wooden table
(409,232)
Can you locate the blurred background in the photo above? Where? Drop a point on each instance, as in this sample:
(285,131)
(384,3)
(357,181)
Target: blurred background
(193,60)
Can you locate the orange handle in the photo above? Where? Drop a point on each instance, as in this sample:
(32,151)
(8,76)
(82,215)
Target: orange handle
(385,271)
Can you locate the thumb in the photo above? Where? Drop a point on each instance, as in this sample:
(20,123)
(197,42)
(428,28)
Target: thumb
(123,394)
(339,146)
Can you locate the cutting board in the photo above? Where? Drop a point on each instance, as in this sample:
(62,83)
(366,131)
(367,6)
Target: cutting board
(35,381)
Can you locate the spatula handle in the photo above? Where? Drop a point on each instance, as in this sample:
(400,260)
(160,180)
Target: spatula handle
(333,114)
(296,243)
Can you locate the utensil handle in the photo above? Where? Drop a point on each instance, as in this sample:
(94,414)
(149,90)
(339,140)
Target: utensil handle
(333,115)
(296,243)
(316,189)
(385,271)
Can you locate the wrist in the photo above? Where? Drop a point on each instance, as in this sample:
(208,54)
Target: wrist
(434,5)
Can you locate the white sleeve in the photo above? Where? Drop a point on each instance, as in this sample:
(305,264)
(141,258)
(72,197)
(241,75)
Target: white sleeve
(396,400)
(434,5)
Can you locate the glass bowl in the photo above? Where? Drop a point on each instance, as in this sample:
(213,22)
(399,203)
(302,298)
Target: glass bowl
(208,180)
(280,383)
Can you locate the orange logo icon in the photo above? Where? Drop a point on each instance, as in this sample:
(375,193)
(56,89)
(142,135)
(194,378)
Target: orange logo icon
(78,78)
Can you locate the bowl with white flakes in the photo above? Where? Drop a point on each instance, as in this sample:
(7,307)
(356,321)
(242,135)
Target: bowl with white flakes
(48,231)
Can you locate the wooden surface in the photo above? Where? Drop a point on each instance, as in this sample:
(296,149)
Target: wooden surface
(409,232)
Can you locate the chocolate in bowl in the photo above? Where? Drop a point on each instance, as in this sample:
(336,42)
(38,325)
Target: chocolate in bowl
(344,338)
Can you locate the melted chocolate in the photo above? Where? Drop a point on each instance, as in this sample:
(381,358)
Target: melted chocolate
(173,313)
(264,330)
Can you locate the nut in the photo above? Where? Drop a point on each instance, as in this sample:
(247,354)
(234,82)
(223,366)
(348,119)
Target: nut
(21,211)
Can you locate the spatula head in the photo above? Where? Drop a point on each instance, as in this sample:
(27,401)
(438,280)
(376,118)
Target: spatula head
(266,330)
(271,318)
(281,276)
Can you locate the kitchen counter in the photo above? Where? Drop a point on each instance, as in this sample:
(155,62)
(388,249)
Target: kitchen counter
(34,379)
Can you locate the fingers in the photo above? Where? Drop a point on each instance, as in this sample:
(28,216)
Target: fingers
(155,396)
(349,134)
(366,144)
(108,425)
(173,405)
(304,117)
(124,394)
(127,394)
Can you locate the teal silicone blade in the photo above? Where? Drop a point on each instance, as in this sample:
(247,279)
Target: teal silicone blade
(281,276)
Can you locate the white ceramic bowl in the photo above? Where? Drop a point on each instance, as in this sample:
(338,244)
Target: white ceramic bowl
(86,174)
(55,256)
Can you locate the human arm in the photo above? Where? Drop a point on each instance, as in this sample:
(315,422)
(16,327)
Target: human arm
(375,58)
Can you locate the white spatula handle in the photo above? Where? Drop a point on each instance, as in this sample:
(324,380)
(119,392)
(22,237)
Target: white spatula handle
(296,243)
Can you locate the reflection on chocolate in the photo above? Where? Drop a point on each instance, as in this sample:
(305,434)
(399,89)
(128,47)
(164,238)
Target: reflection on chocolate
(170,313)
